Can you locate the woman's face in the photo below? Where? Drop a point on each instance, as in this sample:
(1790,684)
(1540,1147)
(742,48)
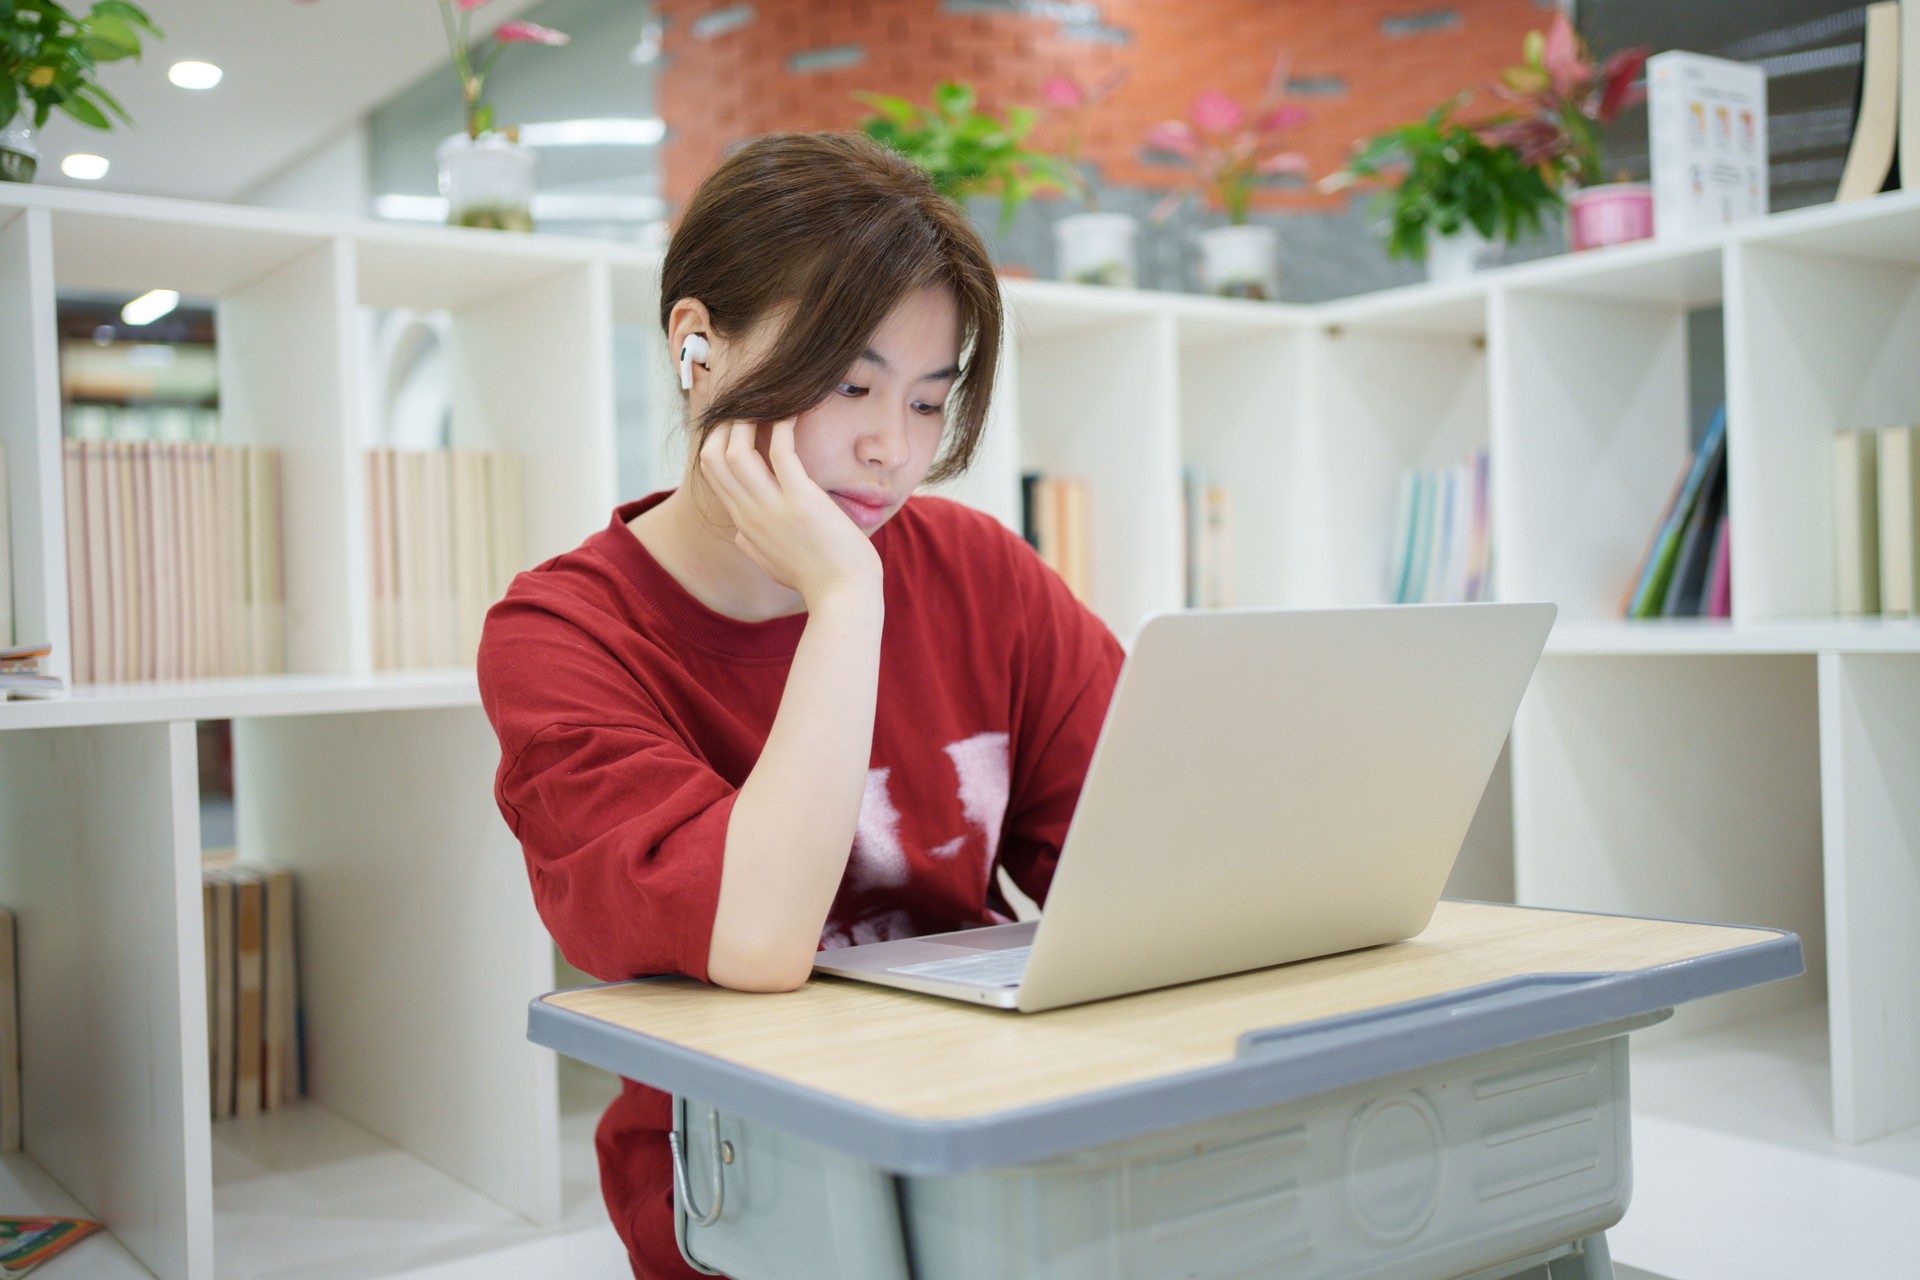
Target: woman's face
(871,442)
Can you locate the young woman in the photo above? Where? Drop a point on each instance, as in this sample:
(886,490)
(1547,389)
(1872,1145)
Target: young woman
(787,705)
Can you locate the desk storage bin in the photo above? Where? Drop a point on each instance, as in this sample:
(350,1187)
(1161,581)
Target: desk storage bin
(1429,1174)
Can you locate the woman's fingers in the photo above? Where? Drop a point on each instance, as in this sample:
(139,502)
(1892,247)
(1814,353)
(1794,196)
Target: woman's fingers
(748,467)
(783,456)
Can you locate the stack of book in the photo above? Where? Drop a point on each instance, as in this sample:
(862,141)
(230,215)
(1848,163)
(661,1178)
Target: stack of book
(1441,548)
(1055,520)
(254,1045)
(1876,485)
(446,530)
(20,670)
(1209,541)
(1687,571)
(173,560)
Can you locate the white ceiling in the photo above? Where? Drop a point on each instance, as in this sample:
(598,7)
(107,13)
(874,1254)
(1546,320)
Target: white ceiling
(297,75)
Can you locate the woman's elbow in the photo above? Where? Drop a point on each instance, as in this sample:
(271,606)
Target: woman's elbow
(757,969)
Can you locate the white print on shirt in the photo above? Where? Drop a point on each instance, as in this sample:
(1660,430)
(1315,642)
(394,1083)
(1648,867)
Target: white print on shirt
(983,768)
(878,859)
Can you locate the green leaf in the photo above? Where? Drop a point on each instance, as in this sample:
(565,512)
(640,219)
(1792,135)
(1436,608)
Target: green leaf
(95,93)
(953,99)
(109,39)
(132,15)
(86,113)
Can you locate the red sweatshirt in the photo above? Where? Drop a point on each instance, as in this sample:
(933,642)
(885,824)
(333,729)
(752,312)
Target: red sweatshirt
(629,715)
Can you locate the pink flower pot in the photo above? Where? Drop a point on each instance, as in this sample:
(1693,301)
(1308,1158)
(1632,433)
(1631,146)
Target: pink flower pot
(1612,213)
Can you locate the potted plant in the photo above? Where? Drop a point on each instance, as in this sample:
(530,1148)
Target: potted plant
(966,151)
(485,173)
(1451,196)
(1093,247)
(1228,150)
(1564,99)
(49,56)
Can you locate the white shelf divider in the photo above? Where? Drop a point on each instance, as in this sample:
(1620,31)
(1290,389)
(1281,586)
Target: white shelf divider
(103,833)
(284,352)
(419,944)
(30,429)
(1870,761)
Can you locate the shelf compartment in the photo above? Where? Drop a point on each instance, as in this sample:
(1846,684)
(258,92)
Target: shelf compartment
(419,944)
(1590,433)
(1239,424)
(1099,402)
(1381,402)
(1870,757)
(26,1190)
(1684,788)
(305,1194)
(1816,342)
(101,868)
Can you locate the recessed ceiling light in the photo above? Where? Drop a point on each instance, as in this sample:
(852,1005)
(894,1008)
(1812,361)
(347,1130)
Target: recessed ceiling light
(84,167)
(150,306)
(194,75)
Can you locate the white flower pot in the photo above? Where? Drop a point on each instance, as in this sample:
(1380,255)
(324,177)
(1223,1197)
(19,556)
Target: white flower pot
(1097,248)
(488,182)
(1457,256)
(18,156)
(1240,262)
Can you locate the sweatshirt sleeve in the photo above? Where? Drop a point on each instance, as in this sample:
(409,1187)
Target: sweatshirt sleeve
(622,824)
(1067,665)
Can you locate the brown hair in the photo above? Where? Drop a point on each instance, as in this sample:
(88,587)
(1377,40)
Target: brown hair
(838,230)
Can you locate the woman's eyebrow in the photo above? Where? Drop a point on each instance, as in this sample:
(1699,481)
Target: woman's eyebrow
(879,362)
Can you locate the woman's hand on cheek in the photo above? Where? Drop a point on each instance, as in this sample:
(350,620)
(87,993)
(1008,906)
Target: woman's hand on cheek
(785,522)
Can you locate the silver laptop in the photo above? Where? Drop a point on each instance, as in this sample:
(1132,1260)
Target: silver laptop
(1269,785)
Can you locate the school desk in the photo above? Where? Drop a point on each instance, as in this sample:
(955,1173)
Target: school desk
(1454,1105)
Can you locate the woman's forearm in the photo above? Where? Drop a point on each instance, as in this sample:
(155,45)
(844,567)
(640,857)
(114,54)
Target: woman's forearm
(793,822)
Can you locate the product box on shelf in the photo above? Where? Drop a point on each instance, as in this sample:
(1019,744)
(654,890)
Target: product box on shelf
(1707,138)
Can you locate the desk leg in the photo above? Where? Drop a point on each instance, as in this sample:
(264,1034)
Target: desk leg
(1591,1262)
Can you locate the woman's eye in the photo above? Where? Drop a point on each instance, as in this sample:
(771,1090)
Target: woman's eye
(848,389)
(929,410)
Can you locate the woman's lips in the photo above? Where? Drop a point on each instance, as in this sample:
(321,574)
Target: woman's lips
(867,511)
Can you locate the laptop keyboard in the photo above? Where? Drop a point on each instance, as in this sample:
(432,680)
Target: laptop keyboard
(984,969)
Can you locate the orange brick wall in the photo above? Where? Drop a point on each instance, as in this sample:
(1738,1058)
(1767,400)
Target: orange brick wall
(727,78)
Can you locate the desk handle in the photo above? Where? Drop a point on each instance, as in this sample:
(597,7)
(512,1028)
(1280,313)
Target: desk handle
(718,1196)
(1508,999)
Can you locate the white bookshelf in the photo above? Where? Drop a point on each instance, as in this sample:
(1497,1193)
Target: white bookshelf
(1759,769)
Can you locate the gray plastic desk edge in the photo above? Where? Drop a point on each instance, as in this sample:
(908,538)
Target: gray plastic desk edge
(1271,1066)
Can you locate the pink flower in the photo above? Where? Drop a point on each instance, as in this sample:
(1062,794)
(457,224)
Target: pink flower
(467,6)
(1060,93)
(1215,112)
(1172,135)
(1618,74)
(528,33)
(1568,70)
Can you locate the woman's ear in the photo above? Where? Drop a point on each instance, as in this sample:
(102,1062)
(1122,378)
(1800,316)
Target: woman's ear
(689,339)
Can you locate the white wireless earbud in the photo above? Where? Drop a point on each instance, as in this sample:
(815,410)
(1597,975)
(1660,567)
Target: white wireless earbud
(693,349)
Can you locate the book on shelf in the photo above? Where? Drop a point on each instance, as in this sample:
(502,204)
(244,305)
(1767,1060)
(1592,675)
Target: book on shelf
(1208,520)
(1899,479)
(1057,522)
(25,1243)
(253,1027)
(444,537)
(1872,163)
(1706,141)
(1440,548)
(1653,581)
(9,1035)
(1856,513)
(20,670)
(1687,589)
(174,559)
